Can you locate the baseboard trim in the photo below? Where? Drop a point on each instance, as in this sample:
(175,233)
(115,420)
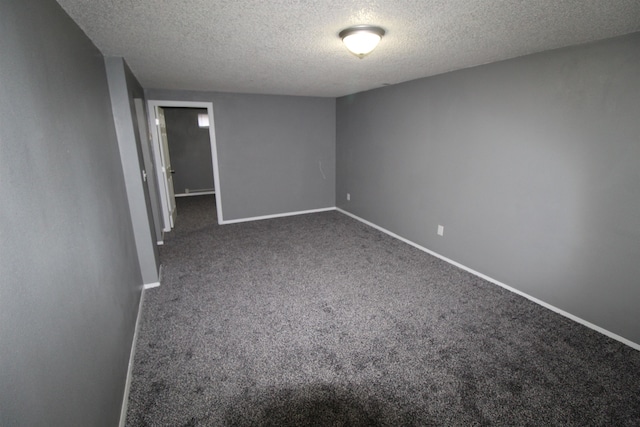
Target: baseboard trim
(151,285)
(127,386)
(195,193)
(281,215)
(154,284)
(588,324)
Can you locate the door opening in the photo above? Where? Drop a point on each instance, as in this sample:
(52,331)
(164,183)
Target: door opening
(190,151)
(165,166)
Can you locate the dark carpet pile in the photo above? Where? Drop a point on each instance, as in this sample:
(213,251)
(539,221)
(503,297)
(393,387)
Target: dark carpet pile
(319,320)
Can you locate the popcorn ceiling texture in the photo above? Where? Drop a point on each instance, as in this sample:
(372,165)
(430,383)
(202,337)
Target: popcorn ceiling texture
(291,47)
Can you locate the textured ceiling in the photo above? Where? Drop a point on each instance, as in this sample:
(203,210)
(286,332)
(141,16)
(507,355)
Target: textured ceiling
(292,47)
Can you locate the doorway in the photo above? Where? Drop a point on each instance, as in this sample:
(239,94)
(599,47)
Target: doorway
(162,156)
(190,151)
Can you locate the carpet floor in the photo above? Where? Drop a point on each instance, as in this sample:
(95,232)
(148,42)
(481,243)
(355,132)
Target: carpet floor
(319,320)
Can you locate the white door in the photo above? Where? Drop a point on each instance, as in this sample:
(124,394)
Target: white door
(166,165)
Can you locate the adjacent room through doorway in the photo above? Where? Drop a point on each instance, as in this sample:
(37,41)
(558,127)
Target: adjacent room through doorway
(186,156)
(190,151)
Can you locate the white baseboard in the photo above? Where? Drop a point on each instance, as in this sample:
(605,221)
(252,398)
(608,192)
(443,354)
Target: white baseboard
(154,284)
(259,218)
(132,353)
(195,193)
(597,328)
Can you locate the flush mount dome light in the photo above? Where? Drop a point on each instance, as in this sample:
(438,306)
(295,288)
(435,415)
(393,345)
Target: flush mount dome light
(203,120)
(361,39)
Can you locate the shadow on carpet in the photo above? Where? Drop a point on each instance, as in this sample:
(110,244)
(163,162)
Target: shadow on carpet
(319,320)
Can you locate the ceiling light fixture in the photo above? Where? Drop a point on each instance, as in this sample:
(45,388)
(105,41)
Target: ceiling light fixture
(203,120)
(361,39)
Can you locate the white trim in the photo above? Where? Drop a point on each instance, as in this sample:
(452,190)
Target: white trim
(214,161)
(155,284)
(189,104)
(127,385)
(154,123)
(259,218)
(596,328)
(196,193)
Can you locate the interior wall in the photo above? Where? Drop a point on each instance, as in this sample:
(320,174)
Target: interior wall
(124,89)
(70,281)
(276,154)
(532,165)
(189,149)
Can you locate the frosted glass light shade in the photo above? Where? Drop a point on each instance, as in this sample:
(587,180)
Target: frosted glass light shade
(203,120)
(361,39)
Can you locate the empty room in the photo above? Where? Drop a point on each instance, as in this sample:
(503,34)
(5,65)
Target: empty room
(332,213)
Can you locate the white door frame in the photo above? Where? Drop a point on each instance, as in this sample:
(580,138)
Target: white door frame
(152,177)
(151,105)
(167,171)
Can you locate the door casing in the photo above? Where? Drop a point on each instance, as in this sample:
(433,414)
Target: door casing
(159,153)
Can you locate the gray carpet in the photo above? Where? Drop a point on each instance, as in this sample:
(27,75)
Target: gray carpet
(320,320)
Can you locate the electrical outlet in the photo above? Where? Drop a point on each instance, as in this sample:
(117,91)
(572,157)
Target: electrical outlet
(348,197)
(440,230)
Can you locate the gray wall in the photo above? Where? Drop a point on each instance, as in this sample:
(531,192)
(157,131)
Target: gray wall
(189,149)
(69,276)
(272,151)
(124,88)
(532,165)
